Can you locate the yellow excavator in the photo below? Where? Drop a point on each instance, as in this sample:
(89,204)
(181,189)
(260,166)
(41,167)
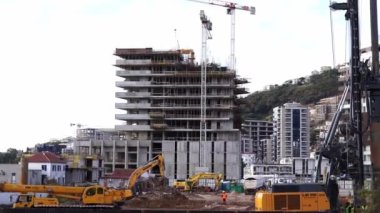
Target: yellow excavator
(87,197)
(156,161)
(193,183)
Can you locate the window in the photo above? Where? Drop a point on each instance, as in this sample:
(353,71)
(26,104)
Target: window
(54,168)
(100,191)
(59,168)
(43,167)
(91,191)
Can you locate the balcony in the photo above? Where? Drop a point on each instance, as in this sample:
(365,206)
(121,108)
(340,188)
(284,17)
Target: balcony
(133,127)
(159,126)
(125,84)
(184,95)
(128,73)
(157,114)
(121,62)
(132,106)
(132,94)
(132,117)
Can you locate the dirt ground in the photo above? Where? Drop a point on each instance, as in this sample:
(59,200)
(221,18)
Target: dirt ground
(172,199)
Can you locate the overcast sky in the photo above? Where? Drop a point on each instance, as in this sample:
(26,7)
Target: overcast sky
(56,56)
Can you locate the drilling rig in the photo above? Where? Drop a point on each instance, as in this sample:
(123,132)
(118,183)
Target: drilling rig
(363,88)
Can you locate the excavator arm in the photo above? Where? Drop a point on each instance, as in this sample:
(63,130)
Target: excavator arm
(156,161)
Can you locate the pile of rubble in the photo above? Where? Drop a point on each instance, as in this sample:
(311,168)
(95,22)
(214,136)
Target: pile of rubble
(154,193)
(168,198)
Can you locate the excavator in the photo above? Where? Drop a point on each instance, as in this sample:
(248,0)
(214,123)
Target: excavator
(193,183)
(86,197)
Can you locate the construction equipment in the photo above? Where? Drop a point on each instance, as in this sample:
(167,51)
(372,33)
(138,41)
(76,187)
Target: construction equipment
(31,201)
(204,181)
(156,161)
(91,196)
(231,7)
(88,197)
(293,198)
(252,185)
(363,84)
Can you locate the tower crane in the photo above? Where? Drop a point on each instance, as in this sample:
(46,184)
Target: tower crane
(206,34)
(231,7)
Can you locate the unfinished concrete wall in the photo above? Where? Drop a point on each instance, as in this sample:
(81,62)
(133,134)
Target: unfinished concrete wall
(194,156)
(143,155)
(219,156)
(182,159)
(233,160)
(168,152)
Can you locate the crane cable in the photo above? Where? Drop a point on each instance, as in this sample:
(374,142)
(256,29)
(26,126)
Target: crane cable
(332,37)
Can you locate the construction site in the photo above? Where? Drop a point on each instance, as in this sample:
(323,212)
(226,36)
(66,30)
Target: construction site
(179,141)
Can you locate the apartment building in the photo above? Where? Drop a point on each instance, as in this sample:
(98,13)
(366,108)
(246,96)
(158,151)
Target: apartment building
(255,130)
(160,93)
(292,130)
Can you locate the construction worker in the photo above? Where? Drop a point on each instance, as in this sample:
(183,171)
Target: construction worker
(349,208)
(224,197)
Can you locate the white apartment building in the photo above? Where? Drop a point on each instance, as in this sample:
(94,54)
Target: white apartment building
(292,130)
(254,132)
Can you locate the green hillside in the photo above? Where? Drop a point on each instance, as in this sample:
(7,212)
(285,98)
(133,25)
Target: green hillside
(259,105)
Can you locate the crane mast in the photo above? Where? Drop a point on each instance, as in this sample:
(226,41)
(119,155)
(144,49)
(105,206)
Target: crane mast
(206,29)
(231,7)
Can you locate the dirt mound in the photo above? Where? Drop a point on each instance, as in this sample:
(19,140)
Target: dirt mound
(168,198)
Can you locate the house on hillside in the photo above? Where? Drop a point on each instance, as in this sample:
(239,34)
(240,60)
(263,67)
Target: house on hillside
(50,165)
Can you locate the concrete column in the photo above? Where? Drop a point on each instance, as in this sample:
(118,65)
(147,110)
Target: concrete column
(150,150)
(90,148)
(138,154)
(126,154)
(113,154)
(102,148)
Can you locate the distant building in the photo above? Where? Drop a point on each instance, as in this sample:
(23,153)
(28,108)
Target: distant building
(324,109)
(297,167)
(10,173)
(82,168)
(292,130)
(52,167)
(117,179)
(256,131)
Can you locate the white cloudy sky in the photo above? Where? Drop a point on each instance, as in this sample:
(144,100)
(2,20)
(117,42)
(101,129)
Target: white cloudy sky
(56,56)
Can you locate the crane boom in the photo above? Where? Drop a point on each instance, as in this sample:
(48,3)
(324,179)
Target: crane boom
(231,7)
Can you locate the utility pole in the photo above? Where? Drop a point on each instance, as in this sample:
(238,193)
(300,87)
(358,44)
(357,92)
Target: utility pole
(206,34)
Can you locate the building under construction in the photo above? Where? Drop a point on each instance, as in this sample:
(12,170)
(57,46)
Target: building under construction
(161,93)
